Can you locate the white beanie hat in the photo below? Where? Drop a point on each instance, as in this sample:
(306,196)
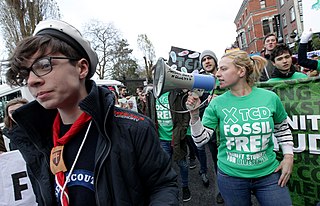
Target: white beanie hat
(208,53)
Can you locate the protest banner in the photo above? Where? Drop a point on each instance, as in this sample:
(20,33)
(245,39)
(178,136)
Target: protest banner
(301,99)
(184,60)
(311,13)
(15,186)
(309,54)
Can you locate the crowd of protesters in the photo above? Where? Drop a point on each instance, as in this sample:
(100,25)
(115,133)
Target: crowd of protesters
(280,65)
(136,169)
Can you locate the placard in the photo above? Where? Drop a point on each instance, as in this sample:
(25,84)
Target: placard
(311,14)
(15,186)
(184,60)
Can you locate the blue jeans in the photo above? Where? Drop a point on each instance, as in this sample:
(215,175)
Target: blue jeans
(183,164)
(237,191)
(200,153)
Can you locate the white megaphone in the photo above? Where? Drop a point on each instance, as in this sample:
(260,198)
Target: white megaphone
(166,79)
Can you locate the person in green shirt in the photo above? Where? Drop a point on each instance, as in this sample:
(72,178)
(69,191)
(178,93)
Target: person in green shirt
(165,122)
(281,58)
(246,117)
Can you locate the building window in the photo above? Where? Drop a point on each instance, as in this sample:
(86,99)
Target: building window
(292,14)
(284,20)
(300,10)
(266,27)
(281,2)
(262,4)
(274,24)
(243,40)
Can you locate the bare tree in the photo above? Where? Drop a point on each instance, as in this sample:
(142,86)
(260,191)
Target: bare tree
(124,67)
(104,39)
(18,18)
(145,45)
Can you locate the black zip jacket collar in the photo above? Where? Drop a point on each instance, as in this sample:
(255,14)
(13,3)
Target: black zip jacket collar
(278,74)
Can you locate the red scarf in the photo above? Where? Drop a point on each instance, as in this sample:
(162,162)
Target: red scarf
(75,128)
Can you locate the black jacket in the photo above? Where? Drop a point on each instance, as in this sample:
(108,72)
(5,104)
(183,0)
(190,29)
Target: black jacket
(130,166)
(267,71)
(303,60)
(180,121)
(14,131)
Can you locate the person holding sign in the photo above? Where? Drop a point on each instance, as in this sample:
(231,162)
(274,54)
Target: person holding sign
(246,118)
(84,150)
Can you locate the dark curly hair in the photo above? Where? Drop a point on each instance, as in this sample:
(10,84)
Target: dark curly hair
(279,50)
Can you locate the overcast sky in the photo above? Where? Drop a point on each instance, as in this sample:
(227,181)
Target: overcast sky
(195,25)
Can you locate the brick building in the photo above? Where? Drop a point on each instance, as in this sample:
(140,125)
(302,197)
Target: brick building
(256,18)
(290,14)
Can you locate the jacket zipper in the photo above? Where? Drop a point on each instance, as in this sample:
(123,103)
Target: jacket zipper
(109,148)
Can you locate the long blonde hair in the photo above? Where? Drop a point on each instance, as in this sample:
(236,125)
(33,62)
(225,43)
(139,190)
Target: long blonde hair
(253,65)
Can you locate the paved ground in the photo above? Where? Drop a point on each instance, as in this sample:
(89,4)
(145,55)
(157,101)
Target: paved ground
(200,195)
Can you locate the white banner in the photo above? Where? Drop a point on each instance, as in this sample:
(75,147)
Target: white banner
(15,186)
(311,13)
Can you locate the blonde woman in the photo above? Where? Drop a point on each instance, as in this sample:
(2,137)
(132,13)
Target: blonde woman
(246,117)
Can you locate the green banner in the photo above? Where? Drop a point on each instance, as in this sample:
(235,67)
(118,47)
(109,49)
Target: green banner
(301,99)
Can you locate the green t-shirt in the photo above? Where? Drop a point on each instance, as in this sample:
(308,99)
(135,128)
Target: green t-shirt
(246,127)
(296,75)
(318,68)
(165,125)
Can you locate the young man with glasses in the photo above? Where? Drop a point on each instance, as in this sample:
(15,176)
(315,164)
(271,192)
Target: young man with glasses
(82,150)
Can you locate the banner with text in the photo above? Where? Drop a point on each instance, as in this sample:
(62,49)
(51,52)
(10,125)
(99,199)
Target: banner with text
(301,99)
(15,186)
(184,60)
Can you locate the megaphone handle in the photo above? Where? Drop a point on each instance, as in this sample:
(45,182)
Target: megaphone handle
(193,108)
(194,94)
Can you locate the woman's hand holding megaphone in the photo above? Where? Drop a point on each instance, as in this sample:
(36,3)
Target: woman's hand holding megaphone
(192,105)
